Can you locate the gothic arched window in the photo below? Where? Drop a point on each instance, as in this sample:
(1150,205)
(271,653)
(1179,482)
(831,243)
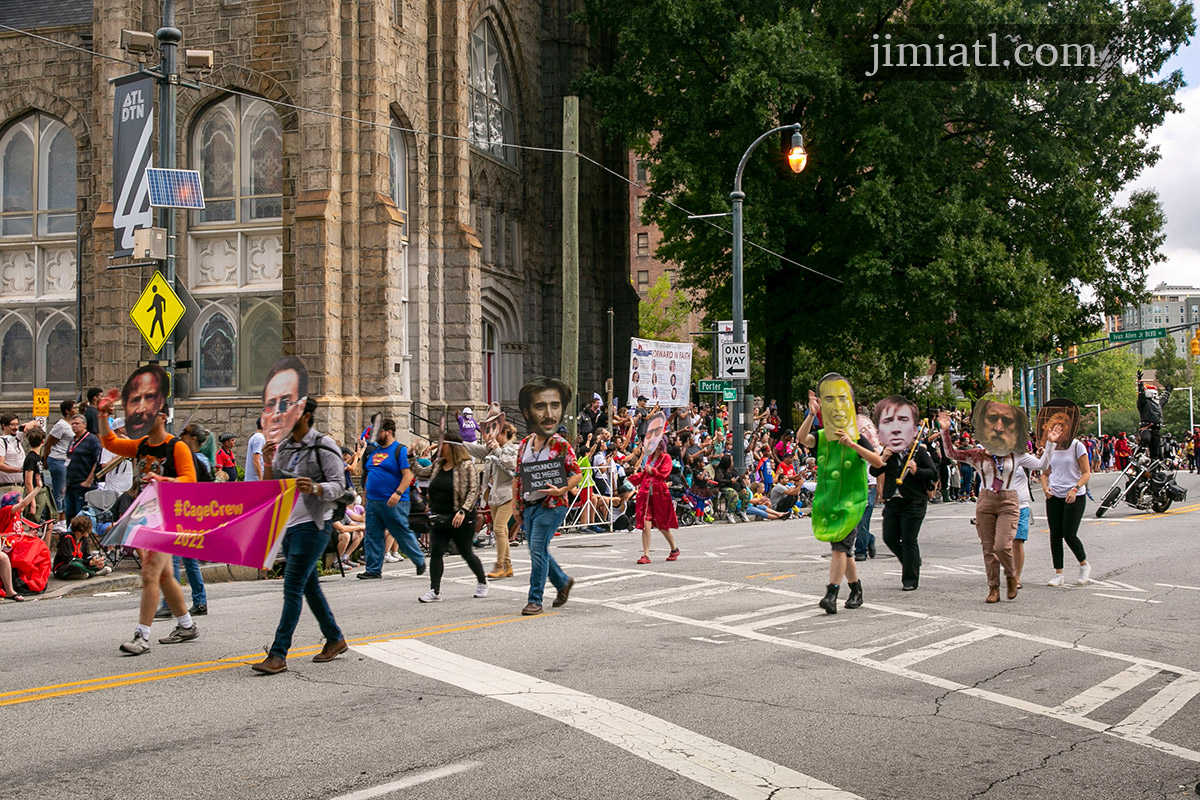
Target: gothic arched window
(218,344)
(16,358)
(493,122)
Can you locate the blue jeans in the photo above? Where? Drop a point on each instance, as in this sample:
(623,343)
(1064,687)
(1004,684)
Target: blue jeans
(195,580)
(757,511)
(75,501)
(58,481)
(865,539)
(303,546)
(540,525)
(394,520)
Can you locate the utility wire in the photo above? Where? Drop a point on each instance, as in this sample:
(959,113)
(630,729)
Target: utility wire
(432,135)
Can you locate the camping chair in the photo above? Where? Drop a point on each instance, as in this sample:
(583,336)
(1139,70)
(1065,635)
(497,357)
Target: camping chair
(100,503)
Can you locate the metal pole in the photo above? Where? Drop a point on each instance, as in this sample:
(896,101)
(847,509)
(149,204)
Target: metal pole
(79,311)
(1099,418)
(738,196)
(168,38)
(612,364)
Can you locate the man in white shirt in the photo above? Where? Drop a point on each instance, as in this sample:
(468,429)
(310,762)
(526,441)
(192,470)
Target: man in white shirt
(254,454)
(55,453)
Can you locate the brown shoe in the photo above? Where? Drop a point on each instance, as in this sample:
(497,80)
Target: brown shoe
(563,593)
(508,573)
(271,665)
(993,595)
(330,651)
(531,609)
(1013,585)
(497,571)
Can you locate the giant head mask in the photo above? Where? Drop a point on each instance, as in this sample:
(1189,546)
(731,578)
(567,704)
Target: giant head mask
(1001,428)
(838,412)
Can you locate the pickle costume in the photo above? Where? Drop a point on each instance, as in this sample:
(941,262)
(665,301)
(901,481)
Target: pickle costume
(841,496)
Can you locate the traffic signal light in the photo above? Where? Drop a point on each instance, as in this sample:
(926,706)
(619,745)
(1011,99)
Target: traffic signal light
(1073,353)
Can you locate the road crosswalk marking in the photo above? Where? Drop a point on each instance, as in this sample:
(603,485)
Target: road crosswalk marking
(1092,698)
(719,766)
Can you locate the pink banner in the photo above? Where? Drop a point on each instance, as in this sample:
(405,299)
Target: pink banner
(231,523)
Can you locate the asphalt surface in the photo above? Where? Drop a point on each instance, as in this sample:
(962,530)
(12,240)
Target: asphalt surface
(713,676)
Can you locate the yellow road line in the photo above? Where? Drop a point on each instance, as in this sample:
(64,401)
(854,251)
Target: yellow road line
(200,667)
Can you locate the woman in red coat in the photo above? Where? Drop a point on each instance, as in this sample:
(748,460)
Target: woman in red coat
(654,504)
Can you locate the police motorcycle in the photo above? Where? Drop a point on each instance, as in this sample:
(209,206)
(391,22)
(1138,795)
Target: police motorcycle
(1146,484)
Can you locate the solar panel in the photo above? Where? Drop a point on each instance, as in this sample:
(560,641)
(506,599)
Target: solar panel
(175,188)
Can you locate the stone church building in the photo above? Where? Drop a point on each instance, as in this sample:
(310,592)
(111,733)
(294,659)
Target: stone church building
(365,208)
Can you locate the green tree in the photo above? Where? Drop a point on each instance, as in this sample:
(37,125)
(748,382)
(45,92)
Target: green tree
(1108,378)
(1170,369)
(663,314)
(961,220)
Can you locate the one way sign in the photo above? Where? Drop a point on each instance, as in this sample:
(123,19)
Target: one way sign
(735,360)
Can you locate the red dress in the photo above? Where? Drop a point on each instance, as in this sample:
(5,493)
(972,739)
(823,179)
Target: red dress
(654,495)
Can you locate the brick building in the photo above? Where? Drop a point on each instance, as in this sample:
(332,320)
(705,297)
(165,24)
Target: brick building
(405,268)
(644,268)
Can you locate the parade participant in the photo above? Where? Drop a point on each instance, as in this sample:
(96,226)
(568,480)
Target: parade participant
(314,460)
(541,502)
(840,497)
(907,473)
(144,397)
(453,490)
(499,454)
(389,476)
(1004,490)
(654,506)
(158,456)
(1150,409)
(1064,483)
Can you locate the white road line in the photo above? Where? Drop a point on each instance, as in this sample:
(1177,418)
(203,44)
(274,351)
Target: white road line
(625,577)
(1161,707)
(411,780)
(721,767)
(750,563)
(1127,597)
(594,578)
(1091,699)
(758,613)
(660,592)
(909,634)
(688,594)
(786,618)
(1167,585)
(911,657)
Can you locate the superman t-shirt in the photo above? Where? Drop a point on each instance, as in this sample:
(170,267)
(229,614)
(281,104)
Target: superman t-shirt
(385,468)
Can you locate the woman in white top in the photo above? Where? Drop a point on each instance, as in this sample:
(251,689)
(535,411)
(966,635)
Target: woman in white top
(1003,488)
(1066,499)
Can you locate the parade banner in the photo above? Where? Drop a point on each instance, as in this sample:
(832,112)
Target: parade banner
(230,523)
(659,371)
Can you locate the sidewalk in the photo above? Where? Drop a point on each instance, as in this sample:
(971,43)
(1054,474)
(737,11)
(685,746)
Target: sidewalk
(128,578)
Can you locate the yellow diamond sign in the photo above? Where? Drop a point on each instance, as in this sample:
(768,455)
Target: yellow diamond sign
(157,312)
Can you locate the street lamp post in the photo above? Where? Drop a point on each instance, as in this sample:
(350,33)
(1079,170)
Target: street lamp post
(797,158)
(1099,418)
(1191,407)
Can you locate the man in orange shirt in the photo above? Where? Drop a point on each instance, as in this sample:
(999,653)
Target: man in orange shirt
(157,456)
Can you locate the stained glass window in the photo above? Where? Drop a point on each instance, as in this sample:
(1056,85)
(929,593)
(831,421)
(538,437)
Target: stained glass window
(217,349)
(16,359)
(238,144)
(493,122)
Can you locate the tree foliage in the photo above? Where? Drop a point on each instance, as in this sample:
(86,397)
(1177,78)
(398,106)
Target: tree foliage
(1108,378)
(663,314)
(958,221)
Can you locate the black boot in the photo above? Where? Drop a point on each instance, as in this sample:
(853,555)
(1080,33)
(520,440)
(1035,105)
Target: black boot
(829,601)
(855,599)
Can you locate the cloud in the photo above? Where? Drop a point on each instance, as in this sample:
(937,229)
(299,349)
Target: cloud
(1175,178)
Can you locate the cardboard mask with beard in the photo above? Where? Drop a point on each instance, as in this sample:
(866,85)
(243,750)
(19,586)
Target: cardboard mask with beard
(1001,428)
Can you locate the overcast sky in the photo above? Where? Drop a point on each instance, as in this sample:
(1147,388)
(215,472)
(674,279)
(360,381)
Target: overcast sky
(1176,177)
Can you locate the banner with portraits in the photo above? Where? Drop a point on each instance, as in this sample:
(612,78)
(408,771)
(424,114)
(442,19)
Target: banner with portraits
(660,371)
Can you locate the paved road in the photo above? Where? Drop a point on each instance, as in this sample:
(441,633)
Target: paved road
(714,676)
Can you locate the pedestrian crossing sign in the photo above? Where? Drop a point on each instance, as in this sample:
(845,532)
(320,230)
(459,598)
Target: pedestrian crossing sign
(157,312)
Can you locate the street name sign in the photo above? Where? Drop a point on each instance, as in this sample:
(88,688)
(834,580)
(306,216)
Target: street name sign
(729,395)
(735,360)
(715,387)
(157,312)
(1137,336)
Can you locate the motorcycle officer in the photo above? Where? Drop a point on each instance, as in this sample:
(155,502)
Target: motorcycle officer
(1150,405)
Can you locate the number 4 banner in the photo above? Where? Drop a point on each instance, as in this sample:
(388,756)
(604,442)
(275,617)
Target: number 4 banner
(231,523)
(133,122)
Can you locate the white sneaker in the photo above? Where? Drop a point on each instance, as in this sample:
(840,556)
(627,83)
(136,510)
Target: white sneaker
(137,646)
(481,590)
(387,558)
(1085,575)
(430,597)
(1057,580)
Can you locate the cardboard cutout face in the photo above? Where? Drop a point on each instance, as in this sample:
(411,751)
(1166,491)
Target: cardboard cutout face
(999,427)
(493,422)
(838,412)
(144,398)
(656,426)
(1060,417)
(869,431)
(284,394)
(546,411)
(898,423)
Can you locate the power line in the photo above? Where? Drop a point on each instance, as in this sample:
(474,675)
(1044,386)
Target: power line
(431,134)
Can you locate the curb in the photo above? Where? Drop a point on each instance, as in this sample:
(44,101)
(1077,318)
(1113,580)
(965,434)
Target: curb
(213,573)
